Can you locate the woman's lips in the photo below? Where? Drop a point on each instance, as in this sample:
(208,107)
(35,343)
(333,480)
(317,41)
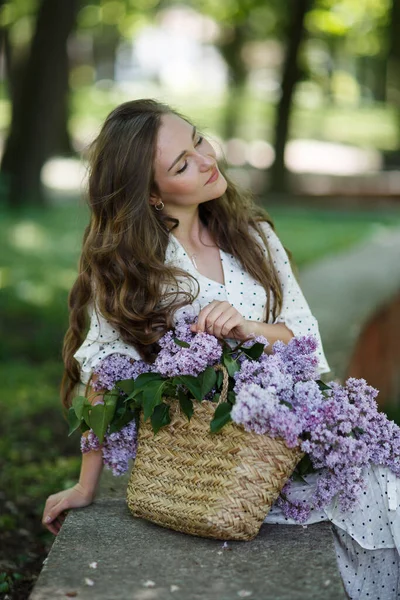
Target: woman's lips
(214,176)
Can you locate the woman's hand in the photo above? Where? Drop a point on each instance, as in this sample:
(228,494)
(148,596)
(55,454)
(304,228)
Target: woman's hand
(57,505)
(222,320)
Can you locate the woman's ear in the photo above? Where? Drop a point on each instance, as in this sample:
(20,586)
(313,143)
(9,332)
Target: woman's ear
(154,199)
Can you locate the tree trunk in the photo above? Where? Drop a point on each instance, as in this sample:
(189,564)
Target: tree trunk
(290,76)
(237,73)
(394,62)
(105,46)
(39,103)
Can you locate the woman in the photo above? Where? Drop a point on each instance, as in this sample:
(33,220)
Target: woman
(168,233)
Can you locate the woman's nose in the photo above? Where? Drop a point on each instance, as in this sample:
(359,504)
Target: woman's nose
(207,163)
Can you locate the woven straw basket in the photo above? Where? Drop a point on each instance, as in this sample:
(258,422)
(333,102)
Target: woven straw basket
(216,485)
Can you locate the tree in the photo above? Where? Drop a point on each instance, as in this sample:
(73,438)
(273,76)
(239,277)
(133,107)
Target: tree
(394,59)
(39,103)
(290,77)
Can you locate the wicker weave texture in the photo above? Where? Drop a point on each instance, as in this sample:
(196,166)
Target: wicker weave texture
(218,485)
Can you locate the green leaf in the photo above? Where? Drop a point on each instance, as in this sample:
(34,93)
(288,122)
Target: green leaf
(193,384)
(222,416)
(216,397)
(230,364)
(78,403)
(4,587)
(255,351)
(231,397)
(181,343)
(142,380)
(136,402)
(322,386)
(160,417)
(84,427)
(101,416)
(126,385)
(186,404)
(220,379)
(152,397)
(208,380)
(73,421)
(305,466)
(123,420)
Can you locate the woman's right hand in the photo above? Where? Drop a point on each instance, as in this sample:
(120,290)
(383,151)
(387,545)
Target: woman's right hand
(57,505)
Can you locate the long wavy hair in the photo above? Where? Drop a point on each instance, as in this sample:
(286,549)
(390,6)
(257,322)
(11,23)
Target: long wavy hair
(121,268)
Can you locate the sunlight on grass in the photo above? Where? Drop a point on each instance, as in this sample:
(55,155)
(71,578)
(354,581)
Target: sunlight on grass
(29,236)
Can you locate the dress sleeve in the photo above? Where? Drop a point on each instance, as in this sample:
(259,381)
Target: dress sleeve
(295,312)
(101,341)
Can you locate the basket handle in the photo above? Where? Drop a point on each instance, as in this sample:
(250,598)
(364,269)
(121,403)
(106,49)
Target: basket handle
(224,394)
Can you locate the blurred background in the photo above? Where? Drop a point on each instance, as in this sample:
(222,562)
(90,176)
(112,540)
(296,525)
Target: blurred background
(300,98)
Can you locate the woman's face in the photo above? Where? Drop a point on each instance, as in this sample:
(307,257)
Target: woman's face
(184,163)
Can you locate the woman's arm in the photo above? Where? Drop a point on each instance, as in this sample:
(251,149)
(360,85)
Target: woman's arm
(92,461)
(273,333)
(82,493)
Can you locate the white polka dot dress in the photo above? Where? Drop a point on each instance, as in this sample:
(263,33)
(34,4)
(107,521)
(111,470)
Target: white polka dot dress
(367,539)
(240,289)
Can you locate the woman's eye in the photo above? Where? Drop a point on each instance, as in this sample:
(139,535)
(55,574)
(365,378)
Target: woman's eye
(183,168)
(186,164)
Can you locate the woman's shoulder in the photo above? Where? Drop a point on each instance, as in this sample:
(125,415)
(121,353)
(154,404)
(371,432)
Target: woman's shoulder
(268,230)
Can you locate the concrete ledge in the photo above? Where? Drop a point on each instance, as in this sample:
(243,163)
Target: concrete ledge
(284,562)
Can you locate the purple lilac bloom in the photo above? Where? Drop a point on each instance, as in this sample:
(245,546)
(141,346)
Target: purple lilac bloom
(299,357)
(117,448)
(259,409)
(117,367)
(294,509)
(205,350)
(257,339)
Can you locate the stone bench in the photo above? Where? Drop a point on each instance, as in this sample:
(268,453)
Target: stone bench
(137,560)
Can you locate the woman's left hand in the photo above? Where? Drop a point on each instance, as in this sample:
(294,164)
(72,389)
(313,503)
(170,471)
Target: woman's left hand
(222,320)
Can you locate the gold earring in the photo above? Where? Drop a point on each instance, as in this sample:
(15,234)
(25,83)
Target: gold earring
(159,206)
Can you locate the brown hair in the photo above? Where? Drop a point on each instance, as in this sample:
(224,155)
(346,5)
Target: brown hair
(122,262)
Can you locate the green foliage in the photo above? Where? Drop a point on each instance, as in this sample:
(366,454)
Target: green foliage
(160,417)
(363,24)
(222,416)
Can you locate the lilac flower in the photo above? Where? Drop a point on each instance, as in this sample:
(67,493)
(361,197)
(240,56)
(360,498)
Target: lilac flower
(298,511)
(117,367)
(117,448)
(258,409)
(257,339)
(205,350)
(299,357)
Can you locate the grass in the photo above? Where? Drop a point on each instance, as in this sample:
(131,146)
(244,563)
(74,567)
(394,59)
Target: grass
(40,250)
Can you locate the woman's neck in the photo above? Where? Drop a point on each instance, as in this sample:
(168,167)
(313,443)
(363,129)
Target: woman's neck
(190,229)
